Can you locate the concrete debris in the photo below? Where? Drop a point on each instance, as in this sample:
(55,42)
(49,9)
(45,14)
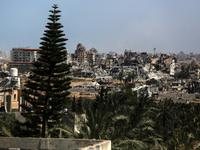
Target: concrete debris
(112,71)
(133,67)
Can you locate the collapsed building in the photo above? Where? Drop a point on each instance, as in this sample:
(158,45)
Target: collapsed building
(133,58)
(164,63)
(140,67)
(143,65)
(80,54)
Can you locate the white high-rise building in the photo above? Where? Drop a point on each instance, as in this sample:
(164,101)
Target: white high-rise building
(172,68)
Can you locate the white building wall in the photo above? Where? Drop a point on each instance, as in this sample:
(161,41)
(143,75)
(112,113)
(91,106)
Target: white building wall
(24,54)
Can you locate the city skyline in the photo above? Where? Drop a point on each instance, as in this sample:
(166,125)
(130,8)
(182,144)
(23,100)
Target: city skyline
(169,26)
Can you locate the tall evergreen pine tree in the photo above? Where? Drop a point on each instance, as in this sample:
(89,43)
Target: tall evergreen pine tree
(47,88)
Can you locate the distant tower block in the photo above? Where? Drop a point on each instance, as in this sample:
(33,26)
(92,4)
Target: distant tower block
(154,50)
(172,68)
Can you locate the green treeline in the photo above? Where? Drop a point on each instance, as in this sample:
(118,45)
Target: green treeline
(128,120)
(139,122)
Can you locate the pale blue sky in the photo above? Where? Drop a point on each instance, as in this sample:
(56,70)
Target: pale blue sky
(108,25)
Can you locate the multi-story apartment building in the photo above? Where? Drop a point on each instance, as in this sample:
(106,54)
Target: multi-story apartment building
(24,54)
(80,54)
(90,57)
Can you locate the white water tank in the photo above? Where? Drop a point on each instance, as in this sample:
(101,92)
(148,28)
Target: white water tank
(13,72)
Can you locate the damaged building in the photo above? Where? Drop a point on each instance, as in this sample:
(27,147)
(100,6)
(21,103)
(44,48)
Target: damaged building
(10,92)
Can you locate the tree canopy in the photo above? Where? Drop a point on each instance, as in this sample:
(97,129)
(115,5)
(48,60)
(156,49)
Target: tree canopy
(47,88)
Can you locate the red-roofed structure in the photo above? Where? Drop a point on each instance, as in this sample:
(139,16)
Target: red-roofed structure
(32,49)
(23,56)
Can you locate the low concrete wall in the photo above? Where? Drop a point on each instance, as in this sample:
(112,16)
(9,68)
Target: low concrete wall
(105,145)
(53,144)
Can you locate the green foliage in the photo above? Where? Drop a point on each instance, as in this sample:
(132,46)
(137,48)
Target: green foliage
(62,130)
(47,88)
(138,122)
(193,65)
(79,108)
(7,124)
(151,81)
(120,76)
(130,122)
(130,77)
(184,74)
(24,68)
(74,105)
(78,105)
(10,126)
(121,117)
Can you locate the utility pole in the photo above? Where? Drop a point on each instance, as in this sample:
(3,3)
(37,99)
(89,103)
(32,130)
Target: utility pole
(154,49)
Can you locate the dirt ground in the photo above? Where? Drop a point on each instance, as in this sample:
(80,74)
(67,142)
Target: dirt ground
(83,95)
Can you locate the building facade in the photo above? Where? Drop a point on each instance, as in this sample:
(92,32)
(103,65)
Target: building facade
(90,57)
(23,56)
(10,92)
(80,54)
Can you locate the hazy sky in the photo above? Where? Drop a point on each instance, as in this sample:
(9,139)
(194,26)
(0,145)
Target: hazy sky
(107,25)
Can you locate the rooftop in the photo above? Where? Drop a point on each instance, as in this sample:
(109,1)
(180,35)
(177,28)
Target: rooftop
(20,62)
(28,48)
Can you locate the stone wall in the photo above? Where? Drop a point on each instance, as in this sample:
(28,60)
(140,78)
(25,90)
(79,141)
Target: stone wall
(7,143)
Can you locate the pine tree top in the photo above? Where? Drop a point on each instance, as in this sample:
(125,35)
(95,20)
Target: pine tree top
(47,90)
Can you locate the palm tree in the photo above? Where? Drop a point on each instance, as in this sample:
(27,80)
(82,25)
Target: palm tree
(120,77)
(97,114)
(62,131)
(123,118)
